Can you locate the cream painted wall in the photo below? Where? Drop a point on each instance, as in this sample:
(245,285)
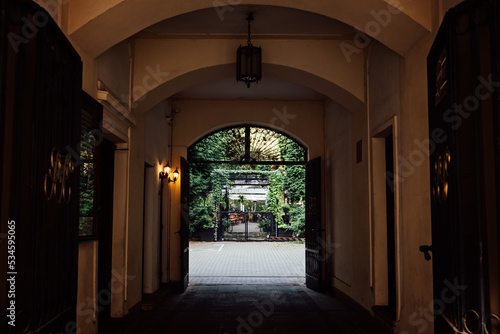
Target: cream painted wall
(360,289)
(338,193)
(152,235)
(384,85)
(114,71)
(158,134)
(301,119)
(135,212)
(86,311)
(156,154)
(384,106)
(415,187)
(158,62)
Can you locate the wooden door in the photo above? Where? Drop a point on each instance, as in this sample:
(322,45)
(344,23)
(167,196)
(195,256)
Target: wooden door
(40,112)
(313,224)
(105,224)
(462,112)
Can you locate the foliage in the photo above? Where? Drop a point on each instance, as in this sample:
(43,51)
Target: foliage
(226,222)
(201,218)
(265,223)
(295,174)
(298,221)
(275,195)
(87,183)
(209,181)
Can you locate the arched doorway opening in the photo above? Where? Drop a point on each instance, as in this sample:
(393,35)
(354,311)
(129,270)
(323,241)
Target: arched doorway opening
(247,183)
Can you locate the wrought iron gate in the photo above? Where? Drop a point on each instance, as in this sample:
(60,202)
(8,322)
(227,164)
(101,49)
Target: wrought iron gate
(246,226)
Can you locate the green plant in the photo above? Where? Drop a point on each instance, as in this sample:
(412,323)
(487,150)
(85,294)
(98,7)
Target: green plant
(206,221)
(265,223)
(226,222)
(201,217)
(298,220)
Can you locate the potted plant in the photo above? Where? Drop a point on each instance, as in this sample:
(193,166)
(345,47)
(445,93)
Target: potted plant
(208,229)
(264,224)
(285,231)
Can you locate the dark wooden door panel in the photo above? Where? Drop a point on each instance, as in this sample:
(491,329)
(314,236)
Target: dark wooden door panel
(41,120)
(313,224)
(463,104)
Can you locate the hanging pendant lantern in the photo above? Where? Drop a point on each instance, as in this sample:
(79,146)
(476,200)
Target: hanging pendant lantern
(249,60)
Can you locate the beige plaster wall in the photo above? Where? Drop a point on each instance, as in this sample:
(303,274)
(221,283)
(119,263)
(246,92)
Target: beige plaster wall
(161,61)
(360,290)
(338,192)
(383,84)
(157,154)
(86,310)
(114,71)
(415,187)
(351,213)
(135,212)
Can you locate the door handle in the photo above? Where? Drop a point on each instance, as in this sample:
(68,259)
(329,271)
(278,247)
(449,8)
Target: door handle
(426,249)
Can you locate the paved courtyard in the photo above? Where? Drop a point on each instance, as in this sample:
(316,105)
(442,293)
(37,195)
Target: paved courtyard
(246,263)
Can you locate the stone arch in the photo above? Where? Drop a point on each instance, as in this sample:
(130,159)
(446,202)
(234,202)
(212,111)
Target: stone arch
(96,26)
(202,75)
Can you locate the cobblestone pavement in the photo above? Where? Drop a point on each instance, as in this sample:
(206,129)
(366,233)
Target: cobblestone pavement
(246,263)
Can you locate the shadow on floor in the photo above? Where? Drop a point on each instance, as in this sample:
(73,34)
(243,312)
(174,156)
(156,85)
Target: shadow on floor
(245,309)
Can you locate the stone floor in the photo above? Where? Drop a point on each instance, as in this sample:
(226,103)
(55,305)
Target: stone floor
(245,288)
(249,309)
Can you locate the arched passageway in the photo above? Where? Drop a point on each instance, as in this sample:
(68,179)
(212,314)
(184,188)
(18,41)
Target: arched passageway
(247,183)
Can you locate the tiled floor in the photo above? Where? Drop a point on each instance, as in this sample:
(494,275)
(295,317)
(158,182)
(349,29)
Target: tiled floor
(249,288)
(246,263)
(250,309)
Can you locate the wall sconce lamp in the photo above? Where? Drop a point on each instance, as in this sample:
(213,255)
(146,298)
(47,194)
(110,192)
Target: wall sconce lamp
(166,173)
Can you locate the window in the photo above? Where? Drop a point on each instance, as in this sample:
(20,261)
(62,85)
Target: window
(91,136)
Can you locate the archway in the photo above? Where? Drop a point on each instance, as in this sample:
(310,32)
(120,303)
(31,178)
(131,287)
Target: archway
(247,183)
